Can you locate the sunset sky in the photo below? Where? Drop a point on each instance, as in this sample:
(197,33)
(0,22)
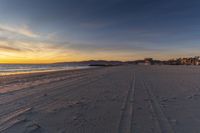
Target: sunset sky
(47,31)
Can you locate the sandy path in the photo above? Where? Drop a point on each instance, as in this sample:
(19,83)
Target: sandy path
(124,99)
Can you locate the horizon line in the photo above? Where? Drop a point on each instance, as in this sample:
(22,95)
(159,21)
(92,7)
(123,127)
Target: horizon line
(24,63)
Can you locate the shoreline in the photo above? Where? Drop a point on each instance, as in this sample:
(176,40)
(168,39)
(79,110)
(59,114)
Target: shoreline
(43,71)
(14,82)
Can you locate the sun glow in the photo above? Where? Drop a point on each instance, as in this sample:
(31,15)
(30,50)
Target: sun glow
(20,45)
(42,53)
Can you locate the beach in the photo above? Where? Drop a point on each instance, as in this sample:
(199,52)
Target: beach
(118,99)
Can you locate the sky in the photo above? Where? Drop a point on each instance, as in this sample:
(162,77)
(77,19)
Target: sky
(47,31)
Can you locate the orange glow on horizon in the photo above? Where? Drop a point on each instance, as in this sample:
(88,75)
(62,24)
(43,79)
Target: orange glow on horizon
(46,57)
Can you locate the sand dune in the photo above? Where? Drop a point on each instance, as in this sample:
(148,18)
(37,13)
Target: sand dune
(123,99)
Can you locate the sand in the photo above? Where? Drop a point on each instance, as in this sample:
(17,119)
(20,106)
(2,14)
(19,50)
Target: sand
(123,99)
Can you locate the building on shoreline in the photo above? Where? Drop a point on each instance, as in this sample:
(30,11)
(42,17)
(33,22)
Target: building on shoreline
(180,61)
(191,61)
(184,61)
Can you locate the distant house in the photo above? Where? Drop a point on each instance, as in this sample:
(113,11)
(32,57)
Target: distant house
(148,61)
(184,61)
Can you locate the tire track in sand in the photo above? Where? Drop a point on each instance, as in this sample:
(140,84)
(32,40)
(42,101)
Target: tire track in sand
(163,123)
(126,116)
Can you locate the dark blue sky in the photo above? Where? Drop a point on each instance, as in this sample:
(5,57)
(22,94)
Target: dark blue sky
(132,28)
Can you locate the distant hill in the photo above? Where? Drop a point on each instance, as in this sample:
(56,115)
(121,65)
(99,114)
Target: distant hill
(93,63)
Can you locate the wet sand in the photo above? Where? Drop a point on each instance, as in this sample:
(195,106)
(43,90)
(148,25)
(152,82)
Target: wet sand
(123,99)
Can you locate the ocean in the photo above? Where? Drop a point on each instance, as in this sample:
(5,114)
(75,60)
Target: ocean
(8,69)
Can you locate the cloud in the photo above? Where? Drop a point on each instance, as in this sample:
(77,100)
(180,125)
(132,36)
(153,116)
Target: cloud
(110,47)
(24,30)
(30,46)
(8,48)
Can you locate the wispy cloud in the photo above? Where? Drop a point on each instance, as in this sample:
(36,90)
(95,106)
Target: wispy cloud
(21,51)
(8,48)
(110,47)
(23,30)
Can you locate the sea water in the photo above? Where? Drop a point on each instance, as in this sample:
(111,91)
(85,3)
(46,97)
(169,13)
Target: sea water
(8,69)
